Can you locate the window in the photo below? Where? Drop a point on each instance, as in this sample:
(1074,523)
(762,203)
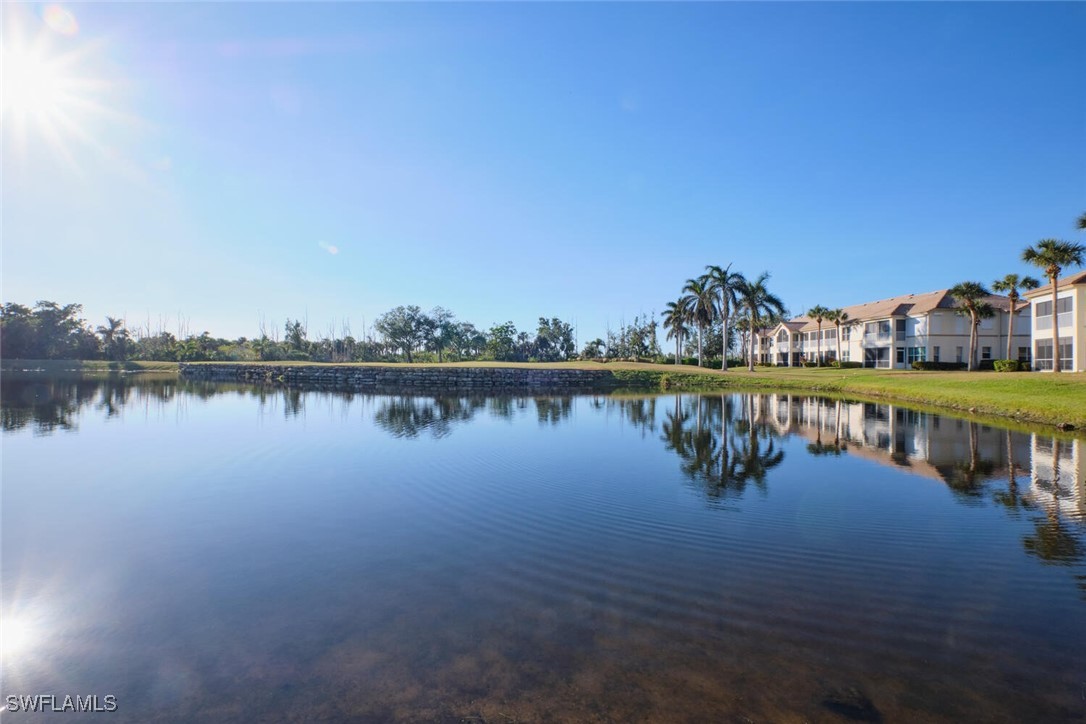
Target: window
(918,354)
(986,353)
(900,325)
(1023,354)
(882,329)
(901,355)
(1043,313)
(846,334)
(961,354)
(1043,356)
(935,353)
(845,355)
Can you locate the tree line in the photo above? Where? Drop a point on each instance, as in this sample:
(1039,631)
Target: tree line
(49,330)
(716,313)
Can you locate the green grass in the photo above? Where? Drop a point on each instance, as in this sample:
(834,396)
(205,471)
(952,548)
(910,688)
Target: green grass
(59,366)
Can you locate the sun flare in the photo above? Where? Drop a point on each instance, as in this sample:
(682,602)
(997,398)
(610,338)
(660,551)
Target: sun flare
(47,95)
(33,85)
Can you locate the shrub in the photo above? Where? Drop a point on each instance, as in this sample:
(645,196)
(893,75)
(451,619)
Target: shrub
(1010,365)
(943,366)
(847,365)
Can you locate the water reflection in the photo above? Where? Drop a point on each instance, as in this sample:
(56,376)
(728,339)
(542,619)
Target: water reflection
(764,557)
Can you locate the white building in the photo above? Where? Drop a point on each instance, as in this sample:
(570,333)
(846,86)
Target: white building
(894,333)
(1071,321)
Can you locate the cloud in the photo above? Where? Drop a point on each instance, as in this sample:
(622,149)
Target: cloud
(330,248)
(162,163)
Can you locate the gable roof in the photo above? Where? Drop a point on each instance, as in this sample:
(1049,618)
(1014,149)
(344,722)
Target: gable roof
(907,304)
(1066,281)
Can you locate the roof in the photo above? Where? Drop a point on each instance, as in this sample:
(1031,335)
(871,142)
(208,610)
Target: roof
(1066,281)
(908,304)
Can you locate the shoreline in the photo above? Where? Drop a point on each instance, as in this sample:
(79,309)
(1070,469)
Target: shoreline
(1026,397)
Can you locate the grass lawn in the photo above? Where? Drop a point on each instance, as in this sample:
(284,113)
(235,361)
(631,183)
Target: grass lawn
(58,366)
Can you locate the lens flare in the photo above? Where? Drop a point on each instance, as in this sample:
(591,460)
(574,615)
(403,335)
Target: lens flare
(59,20)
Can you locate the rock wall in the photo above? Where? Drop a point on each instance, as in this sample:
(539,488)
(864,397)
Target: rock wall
(406,379)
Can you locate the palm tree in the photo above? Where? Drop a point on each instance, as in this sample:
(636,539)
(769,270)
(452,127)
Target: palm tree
(727,283)
(1081,223)
(742,326)
(114,337)
(701,306)
(1053,255)
(971,297)
(839,317)
(760,303)
(675,320)
(818,313)
(1010,285)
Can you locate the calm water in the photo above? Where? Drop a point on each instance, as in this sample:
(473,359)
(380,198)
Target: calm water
(222,553)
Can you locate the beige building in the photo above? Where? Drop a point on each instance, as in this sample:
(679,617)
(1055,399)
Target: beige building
(1071,321)
(894,333)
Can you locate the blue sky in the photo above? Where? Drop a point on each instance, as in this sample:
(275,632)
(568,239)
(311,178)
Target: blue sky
(511,161)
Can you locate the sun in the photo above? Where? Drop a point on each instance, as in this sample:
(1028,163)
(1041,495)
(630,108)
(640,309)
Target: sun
(34,86)
(45,93)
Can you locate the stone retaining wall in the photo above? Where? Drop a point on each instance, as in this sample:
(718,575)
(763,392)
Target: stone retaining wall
(409,379)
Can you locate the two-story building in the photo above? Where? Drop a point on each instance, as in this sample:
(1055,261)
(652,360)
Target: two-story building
(894,333)
(1070,322)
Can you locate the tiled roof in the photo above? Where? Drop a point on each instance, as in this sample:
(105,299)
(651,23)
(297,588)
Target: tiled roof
(1066,281)
(908,304)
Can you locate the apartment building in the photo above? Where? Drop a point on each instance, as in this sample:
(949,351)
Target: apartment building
(1070,321)
(894,333)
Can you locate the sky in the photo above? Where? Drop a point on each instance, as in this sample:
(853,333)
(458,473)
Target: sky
(224,167)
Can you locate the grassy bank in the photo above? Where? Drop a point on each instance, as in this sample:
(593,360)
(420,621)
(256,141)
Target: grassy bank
(59,366)
(1026,396)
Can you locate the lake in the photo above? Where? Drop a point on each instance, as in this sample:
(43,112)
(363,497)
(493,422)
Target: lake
(214,552)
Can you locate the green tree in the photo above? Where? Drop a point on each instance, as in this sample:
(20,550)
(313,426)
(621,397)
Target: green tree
(114,339)
(1010,285)
(701,306)
(676,317)
(839,318)
(725,283)
(404,328)
(18,332)
(554,340)
(819,314)
(501,343)
(761,305)
(971,296)
(441,331)
(1053,256)
(1081,223)
(593,349)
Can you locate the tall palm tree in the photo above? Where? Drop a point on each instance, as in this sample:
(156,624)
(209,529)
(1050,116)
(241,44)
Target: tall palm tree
(1053,255)
(114,337)
(1010,285)
(742,326)
(760,304)
(970,296)
(818,313)
(701,305)
(1081,223)
(675,321)
(726,283)
(839,317)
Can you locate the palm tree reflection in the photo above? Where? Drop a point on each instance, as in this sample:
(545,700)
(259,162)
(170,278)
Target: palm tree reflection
(722,455)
